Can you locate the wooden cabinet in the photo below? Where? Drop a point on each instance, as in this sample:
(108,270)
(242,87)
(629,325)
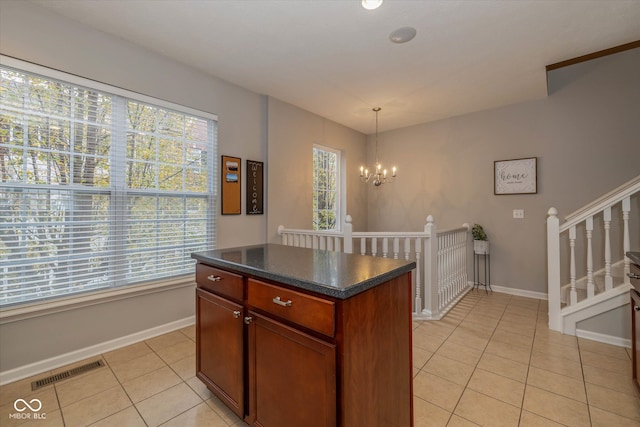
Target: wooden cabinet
(292,376)
(635,323)
(282,356)
(635,336)
(220,348)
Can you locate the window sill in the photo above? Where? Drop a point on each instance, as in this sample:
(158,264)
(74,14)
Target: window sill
(72,302)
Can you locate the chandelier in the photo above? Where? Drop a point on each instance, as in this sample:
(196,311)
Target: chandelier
(378,175)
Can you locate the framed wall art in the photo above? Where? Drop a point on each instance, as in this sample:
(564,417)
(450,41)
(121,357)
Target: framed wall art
(231,182)
(255,188)
(516,176)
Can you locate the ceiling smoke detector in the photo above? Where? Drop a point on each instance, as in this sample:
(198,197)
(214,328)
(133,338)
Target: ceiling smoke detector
(402,35)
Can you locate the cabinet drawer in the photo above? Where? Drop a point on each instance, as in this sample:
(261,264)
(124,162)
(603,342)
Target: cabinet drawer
(311,312)
(219,281)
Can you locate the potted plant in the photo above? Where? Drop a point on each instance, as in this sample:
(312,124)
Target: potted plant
(480,240)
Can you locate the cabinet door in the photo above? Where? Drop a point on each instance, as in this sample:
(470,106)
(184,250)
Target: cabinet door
(219,348)
(292,377)
(635,336)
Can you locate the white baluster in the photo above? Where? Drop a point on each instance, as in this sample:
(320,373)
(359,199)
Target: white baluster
(363,246)
(374,246)
(572,273)
(626,208)
(385,247)
(407,248)
(323,242)
(396,247)
(590,286)
(329,243)
(608,279)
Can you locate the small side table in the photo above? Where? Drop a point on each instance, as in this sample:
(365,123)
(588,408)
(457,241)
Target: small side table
(486,258)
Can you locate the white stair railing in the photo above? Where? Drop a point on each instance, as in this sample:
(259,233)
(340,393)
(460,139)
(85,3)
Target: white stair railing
(440,277)
(583,292)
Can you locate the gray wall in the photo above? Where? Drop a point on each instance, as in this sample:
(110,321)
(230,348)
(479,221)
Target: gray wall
(586,136)
(292,134)
(36,35)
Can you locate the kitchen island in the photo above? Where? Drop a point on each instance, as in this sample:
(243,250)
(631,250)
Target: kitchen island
(290,336)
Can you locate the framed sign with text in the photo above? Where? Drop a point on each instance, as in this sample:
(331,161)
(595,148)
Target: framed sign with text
(255,188)
(517,176)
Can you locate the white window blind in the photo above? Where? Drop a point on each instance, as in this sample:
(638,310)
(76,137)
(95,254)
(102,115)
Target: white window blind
(98,189)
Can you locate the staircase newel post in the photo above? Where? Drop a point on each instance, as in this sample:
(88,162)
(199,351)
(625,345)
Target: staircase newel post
(282,235)
(348,235)
(553,269)
(626,247)
(431,303)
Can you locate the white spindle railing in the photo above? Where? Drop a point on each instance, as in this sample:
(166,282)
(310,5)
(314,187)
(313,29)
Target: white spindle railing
(440,277)
(584,219)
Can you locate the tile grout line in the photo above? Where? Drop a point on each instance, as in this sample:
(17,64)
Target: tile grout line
(476,365)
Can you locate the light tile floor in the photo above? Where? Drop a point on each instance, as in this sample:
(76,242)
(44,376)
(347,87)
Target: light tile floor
(492,361)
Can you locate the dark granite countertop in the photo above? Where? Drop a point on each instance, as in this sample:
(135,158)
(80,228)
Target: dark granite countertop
(328,273)
(634,257)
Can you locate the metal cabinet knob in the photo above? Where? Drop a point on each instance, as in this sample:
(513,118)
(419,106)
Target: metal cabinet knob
(248,320)
(636,308)
(236,314)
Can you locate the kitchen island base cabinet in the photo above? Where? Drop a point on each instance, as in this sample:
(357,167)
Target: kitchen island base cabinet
(220,366)
(294,337)
(291,376)
(635,336)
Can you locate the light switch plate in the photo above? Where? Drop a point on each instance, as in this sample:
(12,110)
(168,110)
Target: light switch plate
(518,213)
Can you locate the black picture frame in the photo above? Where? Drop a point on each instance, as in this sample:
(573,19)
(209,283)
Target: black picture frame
(254,190)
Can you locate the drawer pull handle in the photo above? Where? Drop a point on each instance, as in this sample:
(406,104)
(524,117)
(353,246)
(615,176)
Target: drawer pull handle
(278,301)
(236,314)
(214,278)
(633,276)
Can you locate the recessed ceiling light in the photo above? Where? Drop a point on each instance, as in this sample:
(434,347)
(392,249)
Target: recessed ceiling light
(371,4)
(402,35)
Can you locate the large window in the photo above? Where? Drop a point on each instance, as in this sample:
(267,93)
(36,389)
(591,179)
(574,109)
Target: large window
(99,187)
(326,185)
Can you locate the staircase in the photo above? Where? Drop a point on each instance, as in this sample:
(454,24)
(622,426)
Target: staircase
(586,266)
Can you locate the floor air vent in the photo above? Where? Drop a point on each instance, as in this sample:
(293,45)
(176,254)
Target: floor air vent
(66,374)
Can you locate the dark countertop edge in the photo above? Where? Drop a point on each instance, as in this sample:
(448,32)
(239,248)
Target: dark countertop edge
(307,285)
(634,257)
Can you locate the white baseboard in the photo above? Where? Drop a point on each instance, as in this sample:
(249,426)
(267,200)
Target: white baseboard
(606,339)
(517,292)
(91,351)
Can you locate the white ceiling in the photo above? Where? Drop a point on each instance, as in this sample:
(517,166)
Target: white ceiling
(334,58)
